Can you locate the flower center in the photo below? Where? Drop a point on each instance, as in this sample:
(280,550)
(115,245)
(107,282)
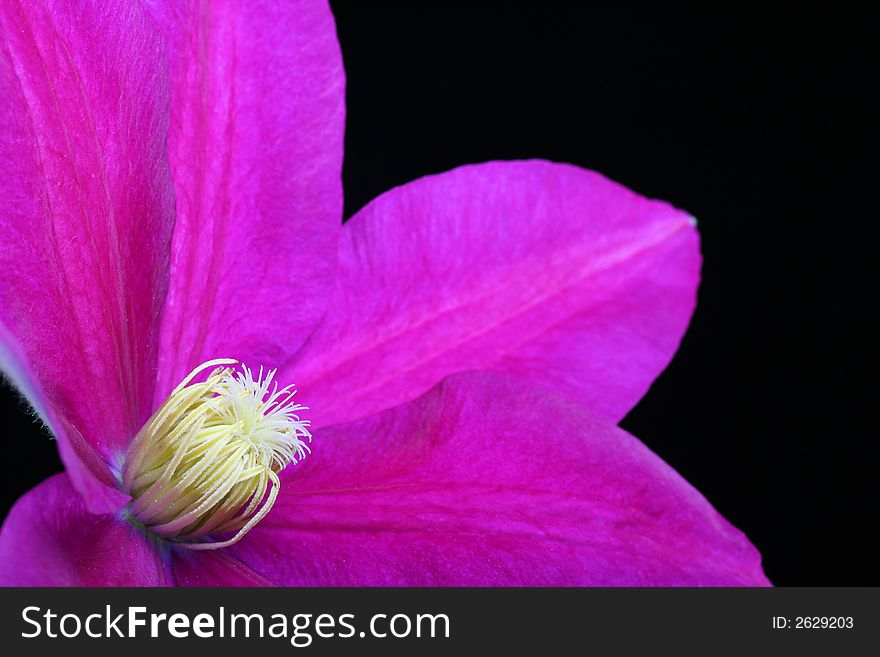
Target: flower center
(207,462)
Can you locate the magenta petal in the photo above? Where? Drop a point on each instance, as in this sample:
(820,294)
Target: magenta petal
(88,471)
(544,271)
(220,568)
(49,538)
(486,481)
(87,210)
(257,98)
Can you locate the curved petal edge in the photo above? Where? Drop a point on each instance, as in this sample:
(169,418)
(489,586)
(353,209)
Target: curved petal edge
(49,538)
(547,272)
(485,481)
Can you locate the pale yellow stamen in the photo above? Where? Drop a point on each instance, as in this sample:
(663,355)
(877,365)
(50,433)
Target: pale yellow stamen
(207,462)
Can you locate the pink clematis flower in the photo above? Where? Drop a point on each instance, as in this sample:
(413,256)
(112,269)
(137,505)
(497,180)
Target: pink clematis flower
(466,343)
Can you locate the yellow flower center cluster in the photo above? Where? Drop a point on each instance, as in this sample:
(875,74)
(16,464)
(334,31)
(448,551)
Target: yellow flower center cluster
(206,463)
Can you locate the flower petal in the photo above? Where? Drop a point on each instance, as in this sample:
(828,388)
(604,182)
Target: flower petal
(219,568)
(87,212)
(544,271)
(49,538)
(257,97)
(88,471)
(486,481)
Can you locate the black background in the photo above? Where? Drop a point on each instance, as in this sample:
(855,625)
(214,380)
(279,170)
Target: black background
(762,127)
